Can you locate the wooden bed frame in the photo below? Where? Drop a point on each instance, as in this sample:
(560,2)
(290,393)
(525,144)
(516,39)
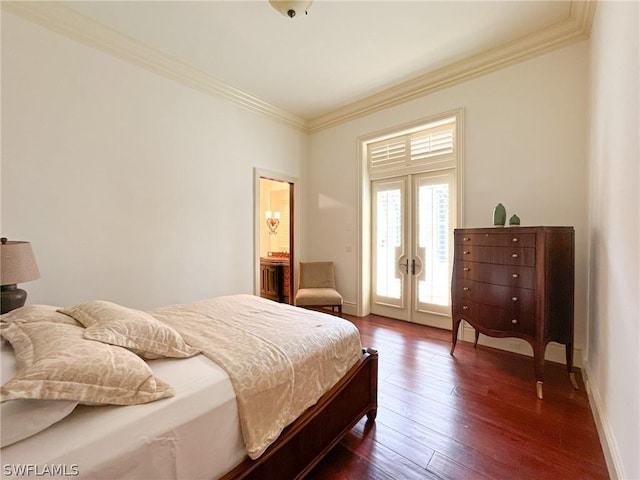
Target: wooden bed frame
(306,441)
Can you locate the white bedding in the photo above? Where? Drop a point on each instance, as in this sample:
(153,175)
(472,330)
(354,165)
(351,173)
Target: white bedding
(229,402)
(281,359)
(195,434)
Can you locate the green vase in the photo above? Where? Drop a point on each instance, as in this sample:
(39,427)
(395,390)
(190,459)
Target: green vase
(514,220)
(499,215)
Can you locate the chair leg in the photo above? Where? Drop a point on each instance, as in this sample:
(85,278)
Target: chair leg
(323,308)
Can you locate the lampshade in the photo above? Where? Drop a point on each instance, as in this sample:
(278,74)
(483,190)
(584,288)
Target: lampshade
(291,8)
(18,263)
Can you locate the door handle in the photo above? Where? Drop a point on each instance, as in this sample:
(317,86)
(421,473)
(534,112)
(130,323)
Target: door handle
(406,266)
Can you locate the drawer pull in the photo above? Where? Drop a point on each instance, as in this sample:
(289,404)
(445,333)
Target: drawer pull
(466,239)
(466,289)
(514,321)
(466,269)
(465,307)
(515,275)
(515,239)
(514,255)
(515,299)
(466,252)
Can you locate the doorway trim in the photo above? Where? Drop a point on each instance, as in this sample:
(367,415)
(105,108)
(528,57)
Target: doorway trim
(259,173)
(363,292)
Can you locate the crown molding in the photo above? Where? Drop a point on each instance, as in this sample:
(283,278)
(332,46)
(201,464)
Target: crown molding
(576,26)
(55,16)
(68,22)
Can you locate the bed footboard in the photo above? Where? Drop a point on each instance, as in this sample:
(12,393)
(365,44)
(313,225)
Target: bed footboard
(303,443)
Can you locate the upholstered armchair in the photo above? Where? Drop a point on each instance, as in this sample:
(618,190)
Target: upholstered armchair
(317,287)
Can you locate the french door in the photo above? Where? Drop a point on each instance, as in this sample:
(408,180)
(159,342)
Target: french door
(412,234)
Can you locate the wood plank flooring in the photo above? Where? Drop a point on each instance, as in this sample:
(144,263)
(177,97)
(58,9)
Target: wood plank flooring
(471,416)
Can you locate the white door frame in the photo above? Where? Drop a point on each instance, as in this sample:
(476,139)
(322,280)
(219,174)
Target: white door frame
(363,292)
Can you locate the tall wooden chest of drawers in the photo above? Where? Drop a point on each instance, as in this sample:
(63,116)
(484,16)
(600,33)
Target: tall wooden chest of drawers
(516,282)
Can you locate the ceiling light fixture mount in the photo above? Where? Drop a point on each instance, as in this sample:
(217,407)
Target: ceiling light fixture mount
(289,8)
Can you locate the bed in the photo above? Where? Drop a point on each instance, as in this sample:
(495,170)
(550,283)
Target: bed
(189,417)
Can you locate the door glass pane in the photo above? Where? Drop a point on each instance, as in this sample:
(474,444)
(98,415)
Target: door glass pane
(433,242)
(388,242)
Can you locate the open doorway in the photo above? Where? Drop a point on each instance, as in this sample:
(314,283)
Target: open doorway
(275,237)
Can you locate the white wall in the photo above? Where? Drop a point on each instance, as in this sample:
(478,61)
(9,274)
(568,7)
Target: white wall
(131,187)
(137,189)
(613,366)
(525,146)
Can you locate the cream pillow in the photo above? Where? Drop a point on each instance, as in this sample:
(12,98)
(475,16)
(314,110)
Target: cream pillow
(55,362)
(38,313)
(133,329)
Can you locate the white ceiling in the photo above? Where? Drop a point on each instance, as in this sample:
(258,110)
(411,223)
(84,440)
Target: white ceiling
(341,52)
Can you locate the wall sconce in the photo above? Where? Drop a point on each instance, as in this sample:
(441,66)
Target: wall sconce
(18,266)
(273,220)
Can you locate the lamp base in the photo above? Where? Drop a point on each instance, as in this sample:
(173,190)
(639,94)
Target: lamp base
(11,297)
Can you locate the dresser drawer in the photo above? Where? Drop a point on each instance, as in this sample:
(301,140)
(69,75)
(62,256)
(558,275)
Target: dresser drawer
(497,255)
(513,298)
(509,275)
(498,239)
(499,321)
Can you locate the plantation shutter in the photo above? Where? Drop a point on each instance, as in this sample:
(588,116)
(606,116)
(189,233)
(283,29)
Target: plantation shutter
(433,146)
(387,153)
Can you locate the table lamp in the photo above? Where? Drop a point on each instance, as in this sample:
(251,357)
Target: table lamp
(18,265)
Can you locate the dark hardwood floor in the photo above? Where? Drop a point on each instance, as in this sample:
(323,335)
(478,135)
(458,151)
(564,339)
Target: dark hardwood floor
(471,416)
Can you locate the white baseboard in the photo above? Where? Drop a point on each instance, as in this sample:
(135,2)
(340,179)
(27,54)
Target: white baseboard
(555,352)
(607,439)
(350,308)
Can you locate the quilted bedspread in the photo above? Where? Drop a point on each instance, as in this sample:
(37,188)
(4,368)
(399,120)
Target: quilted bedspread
(281,359)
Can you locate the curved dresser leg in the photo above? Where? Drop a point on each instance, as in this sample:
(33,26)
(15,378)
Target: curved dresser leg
(569,354)
(574,382)
(454,334)
(538,362)
(475,344)
(539,389)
